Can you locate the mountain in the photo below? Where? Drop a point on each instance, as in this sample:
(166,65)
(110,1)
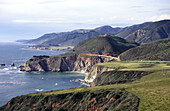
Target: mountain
(153,51)
(76,36)
(105,45)
(72,38)
(22,40)
(153,32)
(44,38)
(128,30)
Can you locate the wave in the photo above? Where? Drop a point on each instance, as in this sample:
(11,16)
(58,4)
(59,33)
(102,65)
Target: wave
(39,90)
(72,80)
(10,70)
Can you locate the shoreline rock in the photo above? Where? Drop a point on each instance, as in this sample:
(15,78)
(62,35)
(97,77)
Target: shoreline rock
(2,64)
(82,63)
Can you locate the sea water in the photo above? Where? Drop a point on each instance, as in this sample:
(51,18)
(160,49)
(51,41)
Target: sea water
(14,83)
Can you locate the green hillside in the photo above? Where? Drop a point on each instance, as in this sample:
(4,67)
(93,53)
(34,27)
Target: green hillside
(81,99)
(151,81)
(153,51)
(107,44)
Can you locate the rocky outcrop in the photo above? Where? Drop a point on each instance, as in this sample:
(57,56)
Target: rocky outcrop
(82,63)
(95,71)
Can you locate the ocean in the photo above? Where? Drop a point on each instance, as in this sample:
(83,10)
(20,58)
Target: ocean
(15,83)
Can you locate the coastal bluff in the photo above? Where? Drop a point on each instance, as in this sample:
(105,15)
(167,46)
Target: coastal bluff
(81,63)
(83,57)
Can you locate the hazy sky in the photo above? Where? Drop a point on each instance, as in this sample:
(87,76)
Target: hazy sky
(25,19)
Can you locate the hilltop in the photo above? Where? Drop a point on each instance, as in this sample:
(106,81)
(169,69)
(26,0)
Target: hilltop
(104,45)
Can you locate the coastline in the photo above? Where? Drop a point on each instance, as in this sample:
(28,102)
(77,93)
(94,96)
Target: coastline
(68,48)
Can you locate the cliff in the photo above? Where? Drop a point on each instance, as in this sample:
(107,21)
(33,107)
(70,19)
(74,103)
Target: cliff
(81,62)
(81,99)
(95,71)
(101,75)
(122,71)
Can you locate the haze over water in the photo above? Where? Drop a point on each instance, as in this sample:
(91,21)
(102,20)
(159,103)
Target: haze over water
(14,83)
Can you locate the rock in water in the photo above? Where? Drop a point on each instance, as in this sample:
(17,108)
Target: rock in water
(12,65)
(2,64)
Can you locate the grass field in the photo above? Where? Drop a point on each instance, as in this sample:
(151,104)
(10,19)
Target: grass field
(137,65)
(153,89)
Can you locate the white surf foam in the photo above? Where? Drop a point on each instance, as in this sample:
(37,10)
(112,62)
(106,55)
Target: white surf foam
(39,90)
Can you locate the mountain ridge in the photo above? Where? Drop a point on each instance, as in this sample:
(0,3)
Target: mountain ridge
(154,32)
(74,37)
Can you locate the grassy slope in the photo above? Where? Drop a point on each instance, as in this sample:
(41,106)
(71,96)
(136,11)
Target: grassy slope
(153,51)
(115,77)
(153,89)
(137,65)
(104,44)
(81,99)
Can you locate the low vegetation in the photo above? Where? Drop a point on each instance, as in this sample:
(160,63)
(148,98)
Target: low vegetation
(84,100)
(152,89)
(107,44)
(153,51)
(115,77)
(137,65)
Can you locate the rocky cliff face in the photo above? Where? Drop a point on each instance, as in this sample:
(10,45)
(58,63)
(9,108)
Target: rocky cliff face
(95,71)
(81,63)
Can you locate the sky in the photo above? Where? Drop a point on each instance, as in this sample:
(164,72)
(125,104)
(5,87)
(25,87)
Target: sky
(27,19)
